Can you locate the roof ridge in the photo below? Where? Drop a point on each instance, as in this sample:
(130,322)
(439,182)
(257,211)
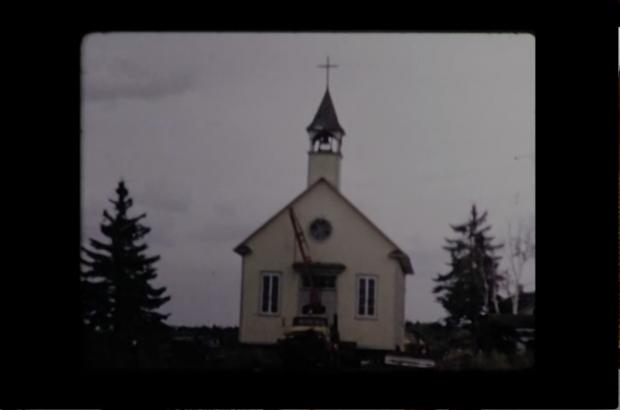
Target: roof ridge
(398,252)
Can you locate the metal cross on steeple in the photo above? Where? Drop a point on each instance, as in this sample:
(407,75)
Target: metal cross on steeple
(327,67)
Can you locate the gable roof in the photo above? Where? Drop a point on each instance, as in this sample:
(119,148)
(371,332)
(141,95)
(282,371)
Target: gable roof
(397,253)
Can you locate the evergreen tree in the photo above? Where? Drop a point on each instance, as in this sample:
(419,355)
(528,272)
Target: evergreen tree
(118,301)
(470,288)
(93,301)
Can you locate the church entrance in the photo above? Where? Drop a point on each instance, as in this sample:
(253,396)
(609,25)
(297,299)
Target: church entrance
(326,285)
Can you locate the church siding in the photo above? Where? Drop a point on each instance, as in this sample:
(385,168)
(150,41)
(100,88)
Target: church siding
(324,165)
(353,242)
(397,298)
(399,292)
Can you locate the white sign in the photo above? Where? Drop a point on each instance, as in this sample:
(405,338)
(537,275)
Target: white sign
(409,361)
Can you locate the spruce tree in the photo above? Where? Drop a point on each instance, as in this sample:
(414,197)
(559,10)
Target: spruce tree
(119,303)
(470,288)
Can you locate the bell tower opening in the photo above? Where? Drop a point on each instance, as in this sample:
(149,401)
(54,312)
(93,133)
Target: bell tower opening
(325,142)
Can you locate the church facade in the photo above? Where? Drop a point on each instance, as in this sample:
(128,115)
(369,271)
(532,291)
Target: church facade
(359,271)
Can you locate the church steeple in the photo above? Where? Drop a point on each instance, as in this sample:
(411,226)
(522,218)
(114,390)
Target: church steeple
(325,135)
(326,118)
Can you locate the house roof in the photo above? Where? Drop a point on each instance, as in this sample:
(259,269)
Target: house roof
(527,301)
(523,321)
(397,253)
(325,118)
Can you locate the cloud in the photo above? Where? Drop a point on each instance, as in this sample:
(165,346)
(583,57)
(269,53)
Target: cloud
(128,79)
(159,237)
(113,70)
(222,233)
(224,210)
(159,196)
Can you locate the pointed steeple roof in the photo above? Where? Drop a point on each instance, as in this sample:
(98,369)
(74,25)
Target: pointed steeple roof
(325,118)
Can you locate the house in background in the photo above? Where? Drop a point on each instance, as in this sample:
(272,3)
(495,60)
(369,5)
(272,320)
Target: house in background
(527,301)
(523,322)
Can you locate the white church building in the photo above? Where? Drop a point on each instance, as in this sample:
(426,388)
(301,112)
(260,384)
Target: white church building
(360,272)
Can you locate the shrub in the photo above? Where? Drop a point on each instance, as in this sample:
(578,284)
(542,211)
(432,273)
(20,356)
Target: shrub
(464,359)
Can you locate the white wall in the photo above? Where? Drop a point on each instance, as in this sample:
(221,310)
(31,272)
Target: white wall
(354,243)
(324,165)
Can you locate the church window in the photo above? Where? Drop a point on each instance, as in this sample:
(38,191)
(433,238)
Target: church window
(366,296)
(270,293)
(320,229)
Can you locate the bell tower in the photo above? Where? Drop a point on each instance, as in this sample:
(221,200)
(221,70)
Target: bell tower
(325,141)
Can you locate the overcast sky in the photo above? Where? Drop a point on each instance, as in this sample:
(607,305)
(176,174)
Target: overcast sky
(208,131)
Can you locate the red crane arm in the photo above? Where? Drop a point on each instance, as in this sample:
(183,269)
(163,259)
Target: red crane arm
(305,254)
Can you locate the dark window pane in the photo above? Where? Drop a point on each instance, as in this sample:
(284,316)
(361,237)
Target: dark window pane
(305,281)
(265,299)
(371,297)
(361,310)
(371,288)
(331,283)
(275,282)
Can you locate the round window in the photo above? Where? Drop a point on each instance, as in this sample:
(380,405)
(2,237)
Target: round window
(320,229)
